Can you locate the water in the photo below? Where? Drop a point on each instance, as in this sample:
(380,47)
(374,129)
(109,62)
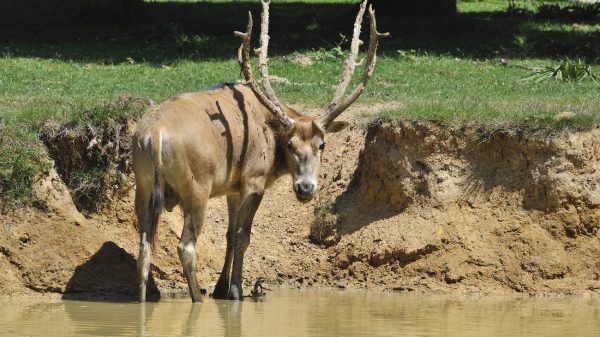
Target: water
(309,313)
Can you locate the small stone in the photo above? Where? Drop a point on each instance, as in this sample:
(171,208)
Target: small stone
(24,238)
(380,257)
(453,275)
(342,261)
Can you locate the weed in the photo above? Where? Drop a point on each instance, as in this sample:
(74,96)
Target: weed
(408,55)
(87,185)
(566,70)
(335,53)
(324,225)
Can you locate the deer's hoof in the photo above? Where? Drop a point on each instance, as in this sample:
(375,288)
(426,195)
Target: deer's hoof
(220,293)
(235,293)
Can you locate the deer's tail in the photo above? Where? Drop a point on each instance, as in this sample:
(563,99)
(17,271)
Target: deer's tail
(157,196)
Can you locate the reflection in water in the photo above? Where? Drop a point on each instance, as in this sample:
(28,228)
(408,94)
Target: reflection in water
(309,313)
(142,321)
(187,329)
(231,317)
(107,319)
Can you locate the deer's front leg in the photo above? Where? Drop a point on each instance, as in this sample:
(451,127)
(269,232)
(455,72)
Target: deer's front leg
(249,202)
(222,287)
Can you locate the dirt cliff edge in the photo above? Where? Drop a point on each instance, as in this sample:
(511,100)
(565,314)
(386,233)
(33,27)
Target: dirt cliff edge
(402,205)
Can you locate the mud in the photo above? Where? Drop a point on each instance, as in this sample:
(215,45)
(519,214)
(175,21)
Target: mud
(406,206)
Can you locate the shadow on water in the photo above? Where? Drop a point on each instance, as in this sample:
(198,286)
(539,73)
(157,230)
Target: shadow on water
(163,32)
(109,275)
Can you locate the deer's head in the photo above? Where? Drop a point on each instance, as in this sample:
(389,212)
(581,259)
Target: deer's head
(300,137)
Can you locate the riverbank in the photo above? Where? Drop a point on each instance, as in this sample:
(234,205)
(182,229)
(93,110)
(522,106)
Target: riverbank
(406,206)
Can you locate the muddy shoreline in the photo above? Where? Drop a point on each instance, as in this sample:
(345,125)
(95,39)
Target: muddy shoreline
(402,206)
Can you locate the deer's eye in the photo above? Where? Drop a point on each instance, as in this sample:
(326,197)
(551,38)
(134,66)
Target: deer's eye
(289,145)
(322,146)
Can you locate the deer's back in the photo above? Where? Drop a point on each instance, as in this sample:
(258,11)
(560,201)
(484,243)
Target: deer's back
(219,134)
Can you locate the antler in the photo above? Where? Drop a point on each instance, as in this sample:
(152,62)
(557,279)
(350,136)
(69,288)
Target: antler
(269,100)
(351,62)
(335,108)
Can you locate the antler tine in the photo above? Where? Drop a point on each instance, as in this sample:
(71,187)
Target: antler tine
(244,50)
(351,62)
(262,61)
(244,62)
(335,110)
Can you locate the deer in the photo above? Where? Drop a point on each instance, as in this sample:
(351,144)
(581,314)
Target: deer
(233,140)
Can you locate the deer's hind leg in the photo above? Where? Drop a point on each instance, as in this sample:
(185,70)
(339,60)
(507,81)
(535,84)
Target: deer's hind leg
(195,212)
(142,196)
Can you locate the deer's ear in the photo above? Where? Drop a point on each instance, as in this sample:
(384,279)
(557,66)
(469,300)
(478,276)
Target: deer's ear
(334,127)
(276,125)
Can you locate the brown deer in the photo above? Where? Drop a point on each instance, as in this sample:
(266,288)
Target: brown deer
(231,140)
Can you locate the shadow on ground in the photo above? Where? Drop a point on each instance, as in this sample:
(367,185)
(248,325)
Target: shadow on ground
(110,274)
(163,32)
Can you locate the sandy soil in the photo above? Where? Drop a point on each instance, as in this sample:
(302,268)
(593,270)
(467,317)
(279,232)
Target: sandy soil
(406,206)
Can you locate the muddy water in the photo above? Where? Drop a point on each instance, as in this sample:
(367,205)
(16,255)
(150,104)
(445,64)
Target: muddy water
(309,313)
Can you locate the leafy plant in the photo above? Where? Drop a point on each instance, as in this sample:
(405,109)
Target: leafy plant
(566,70)
(335,53)
(408,55)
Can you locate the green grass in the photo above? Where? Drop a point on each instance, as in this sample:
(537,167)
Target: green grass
(486,91)
(467,68)
(22,159)
(428,86)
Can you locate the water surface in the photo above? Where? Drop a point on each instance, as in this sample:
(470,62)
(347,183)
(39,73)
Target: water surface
(309,313)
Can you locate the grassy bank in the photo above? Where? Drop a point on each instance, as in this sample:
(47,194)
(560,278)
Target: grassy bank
(428,86)
(468,68)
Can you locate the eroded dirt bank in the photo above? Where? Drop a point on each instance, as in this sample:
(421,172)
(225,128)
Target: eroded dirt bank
(402,205)
(472,209)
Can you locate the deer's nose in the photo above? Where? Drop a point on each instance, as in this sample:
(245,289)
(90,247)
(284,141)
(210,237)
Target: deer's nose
(305,190)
